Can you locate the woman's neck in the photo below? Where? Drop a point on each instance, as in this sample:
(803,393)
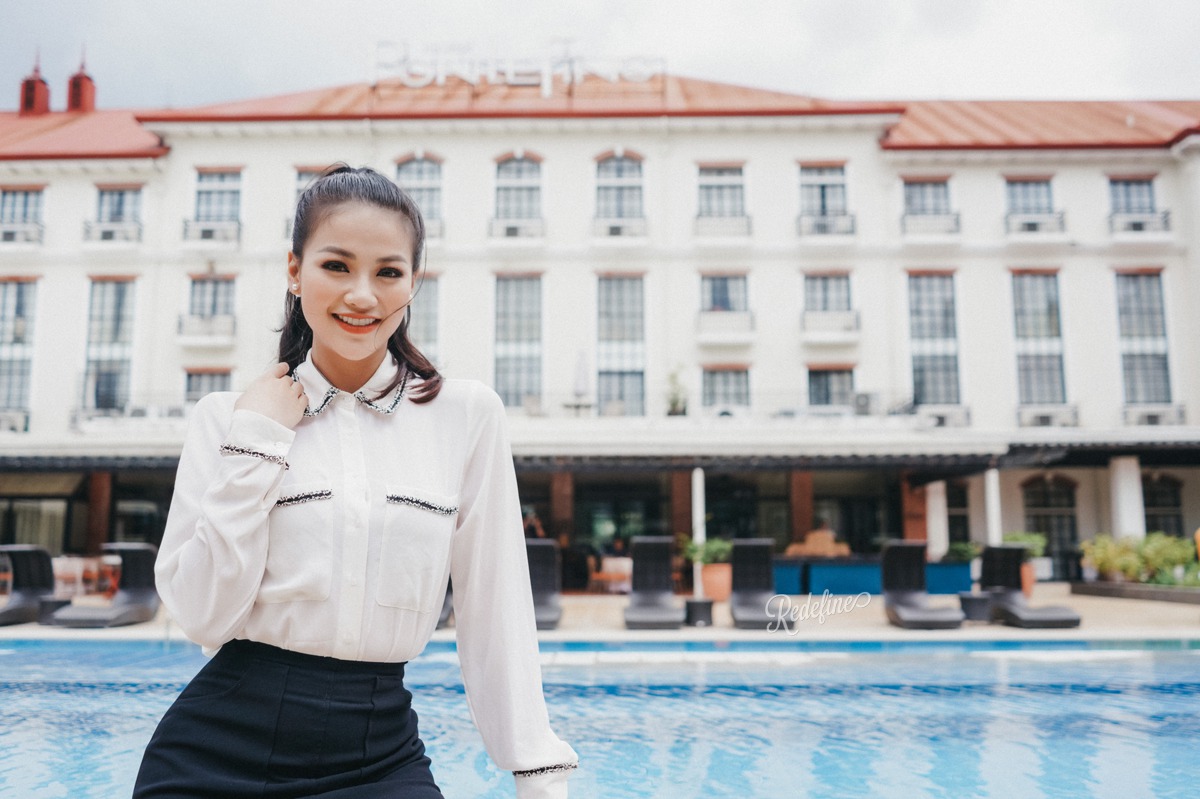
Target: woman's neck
(348,376)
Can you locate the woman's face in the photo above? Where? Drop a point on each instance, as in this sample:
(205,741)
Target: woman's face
(355,279)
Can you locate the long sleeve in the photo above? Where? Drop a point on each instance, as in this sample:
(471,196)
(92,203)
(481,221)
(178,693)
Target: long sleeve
(214,547)
(494,617)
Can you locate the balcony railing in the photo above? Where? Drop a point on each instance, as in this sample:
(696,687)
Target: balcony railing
(613,228)
(112,231)
(1048,416)
(517,228)
(944,415)
(1026,223)
(1153,414)
(227,230)
(21,232)
(722,226)
(825,224)
(14,420)
(819,322)
(217,329)
(725,327)
(1140,222)
(926,224)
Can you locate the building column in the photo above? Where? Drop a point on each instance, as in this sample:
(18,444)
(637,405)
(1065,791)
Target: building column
(99,510)
(991,506)
(681,503)
(1128,506)
(937,521)
(800,494)
(912,508)
(562,505)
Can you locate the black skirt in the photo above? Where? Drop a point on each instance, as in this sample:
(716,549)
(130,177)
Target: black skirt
(259,721)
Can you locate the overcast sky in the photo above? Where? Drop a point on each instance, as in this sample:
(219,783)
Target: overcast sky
(172,53)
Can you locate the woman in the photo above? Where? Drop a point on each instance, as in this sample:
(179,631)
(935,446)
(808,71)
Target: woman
(315,521)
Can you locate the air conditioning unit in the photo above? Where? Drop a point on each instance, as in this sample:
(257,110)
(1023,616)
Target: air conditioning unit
(867,404)
(945,415)
(1153,415)
(14,421)
(729,411)
(1048,416)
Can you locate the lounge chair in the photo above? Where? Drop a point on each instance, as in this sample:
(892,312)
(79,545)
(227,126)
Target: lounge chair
(32,579)
(652,604)
(545,578)
(1000,574)
(904,598)
(753,582)
(136,599)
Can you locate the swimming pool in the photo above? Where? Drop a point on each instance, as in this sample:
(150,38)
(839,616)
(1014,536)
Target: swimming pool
(763,719)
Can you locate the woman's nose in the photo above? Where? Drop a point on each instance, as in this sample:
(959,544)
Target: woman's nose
(360,296)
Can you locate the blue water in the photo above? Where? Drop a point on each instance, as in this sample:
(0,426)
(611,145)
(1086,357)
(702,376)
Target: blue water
(788,719)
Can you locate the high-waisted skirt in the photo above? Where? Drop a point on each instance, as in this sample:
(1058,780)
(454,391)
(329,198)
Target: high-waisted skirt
(259,721)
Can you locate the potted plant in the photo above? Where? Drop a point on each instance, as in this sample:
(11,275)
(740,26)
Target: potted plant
(1114,559)
(716,573)
(1031,569)
(676,396)
(964,552)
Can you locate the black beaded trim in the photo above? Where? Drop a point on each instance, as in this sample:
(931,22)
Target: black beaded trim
(404,499)
(229,449)
(534,772)
(361,397)
(296,499)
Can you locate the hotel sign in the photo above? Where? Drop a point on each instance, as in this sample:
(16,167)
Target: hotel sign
(568,70)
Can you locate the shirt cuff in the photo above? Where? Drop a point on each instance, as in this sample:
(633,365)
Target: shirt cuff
(251,433)
(551,784)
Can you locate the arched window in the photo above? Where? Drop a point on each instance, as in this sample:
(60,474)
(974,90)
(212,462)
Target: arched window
(518,189)
(1162,497)
(1050,510)
(619,188)
(422,179)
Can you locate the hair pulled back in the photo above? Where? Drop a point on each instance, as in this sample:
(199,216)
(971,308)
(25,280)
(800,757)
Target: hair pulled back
(336,186)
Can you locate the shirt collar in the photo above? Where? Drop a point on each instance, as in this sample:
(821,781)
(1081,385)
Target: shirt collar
(320,392)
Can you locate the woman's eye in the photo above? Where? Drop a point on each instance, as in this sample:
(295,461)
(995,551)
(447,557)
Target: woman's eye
(389,272)
(334,266)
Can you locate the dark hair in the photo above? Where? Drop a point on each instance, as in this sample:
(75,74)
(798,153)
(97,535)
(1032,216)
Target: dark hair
(344,184)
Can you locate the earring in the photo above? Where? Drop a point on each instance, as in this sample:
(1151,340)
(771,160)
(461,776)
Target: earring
(295,287)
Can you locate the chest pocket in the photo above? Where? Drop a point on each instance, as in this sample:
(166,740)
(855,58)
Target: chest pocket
(300,544)
(415,548)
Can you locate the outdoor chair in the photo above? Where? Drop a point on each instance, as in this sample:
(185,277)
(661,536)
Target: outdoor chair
(545,578)
(32,580)
(753,582)
(1000,574)
(904,598)
(652,604)
(136,599)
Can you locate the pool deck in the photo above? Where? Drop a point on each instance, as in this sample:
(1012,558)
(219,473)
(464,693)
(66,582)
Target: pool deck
(598,617)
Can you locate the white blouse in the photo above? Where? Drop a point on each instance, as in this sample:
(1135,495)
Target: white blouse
(336,539)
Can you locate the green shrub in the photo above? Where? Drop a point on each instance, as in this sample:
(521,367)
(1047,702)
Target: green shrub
(1161,553)
(961,552)
(1153,559)
(1034,543)
(713,550)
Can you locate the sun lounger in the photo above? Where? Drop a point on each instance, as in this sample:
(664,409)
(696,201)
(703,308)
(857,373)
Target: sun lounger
(545,578)
(136,599)
(904,598)
(32,580)
(652,604)
(1000,573)
(753,582)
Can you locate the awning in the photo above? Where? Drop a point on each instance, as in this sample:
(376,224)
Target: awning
(40,484)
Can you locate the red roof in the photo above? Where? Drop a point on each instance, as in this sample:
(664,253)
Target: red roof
(593,96)
(990,125)
(69,135)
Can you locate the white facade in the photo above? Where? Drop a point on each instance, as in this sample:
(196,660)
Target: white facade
(843,443)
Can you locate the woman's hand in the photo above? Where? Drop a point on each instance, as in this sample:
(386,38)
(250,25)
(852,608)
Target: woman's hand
(276,396)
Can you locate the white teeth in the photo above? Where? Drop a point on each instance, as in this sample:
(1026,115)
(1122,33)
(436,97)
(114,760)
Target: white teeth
(355,322)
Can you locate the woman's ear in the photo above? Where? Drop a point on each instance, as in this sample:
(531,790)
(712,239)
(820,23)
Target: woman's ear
(293,273)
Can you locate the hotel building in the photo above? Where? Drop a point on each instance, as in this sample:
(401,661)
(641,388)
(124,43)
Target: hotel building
(940,320)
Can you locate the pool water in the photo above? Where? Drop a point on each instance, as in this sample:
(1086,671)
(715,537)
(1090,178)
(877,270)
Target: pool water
(699,720)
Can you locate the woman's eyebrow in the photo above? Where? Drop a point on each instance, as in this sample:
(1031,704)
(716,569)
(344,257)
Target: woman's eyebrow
(336,250)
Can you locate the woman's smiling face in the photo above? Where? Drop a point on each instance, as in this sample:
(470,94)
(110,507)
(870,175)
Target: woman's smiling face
(355,280)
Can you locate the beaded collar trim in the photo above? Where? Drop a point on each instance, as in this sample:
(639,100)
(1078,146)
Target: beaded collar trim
(405,499)
(230,449)
(361,397)
(533,772)
(296,499)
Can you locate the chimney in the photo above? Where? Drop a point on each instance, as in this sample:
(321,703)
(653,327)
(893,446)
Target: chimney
(81,91)
(35,93)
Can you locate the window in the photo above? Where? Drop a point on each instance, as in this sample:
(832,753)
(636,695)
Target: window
(14,382)
(1029,197)
(726,387)
(830,387)
(518,189)
(422,179)
(201,383)
(20,206)
(721,191)
(1039,340)
(518,339)
(934,339)
(1050,510)
(218,196)
(110,336)
(621,355)
(16,343)
(723,293)
(211,296)
(423,318)
(303,178)
(1163,500)
(1143,329)
(119,205)
(827,292)
(958,515)
(619,188)
(822,190)
(926,197)
(110,316)
(1131,196)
